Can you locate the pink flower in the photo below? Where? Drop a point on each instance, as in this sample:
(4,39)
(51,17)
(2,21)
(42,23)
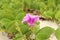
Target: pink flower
(30,19)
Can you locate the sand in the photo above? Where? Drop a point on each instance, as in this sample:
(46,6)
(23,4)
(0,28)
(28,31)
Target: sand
(3,36)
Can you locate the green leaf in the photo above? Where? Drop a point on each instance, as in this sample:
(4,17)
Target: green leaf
(11,27)
(5,22)
(20,16)
(48,14)
(57,15)
(24,28)
(5,14)
(36,27)
(44,33)
(57,33)
(18,36)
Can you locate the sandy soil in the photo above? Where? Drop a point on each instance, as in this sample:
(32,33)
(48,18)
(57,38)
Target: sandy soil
(3,36)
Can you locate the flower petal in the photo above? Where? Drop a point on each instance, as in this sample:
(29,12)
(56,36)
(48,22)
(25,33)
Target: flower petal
(36,18)
(25,19)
